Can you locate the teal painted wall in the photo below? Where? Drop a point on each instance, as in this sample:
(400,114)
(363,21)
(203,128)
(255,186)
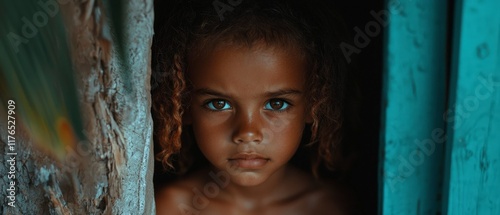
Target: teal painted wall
(472,179)
(440,132)
(413,102)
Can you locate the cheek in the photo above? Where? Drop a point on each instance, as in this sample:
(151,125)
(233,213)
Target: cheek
(206,123)
(289,126)
(293,135)
(284,137)
(210,135)
(211,145)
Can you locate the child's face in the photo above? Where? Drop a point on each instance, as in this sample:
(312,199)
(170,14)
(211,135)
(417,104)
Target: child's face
(248,110)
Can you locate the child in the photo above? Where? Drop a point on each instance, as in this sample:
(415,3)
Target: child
(242,85)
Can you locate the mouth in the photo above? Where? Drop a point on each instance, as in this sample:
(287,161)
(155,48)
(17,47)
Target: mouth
(248,160)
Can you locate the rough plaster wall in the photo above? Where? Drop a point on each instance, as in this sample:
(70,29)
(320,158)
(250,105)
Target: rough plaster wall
(114,174)
(137,190)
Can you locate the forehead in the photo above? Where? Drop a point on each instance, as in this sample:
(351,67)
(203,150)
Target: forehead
(242,70)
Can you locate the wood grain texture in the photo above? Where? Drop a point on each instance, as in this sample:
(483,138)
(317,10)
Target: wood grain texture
(472,176)
(414,98)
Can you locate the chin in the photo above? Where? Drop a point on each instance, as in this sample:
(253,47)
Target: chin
(248,179)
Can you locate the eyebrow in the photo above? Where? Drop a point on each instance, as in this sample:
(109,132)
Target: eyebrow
(281,92)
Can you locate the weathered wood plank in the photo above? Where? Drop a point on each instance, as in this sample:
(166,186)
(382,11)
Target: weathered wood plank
(414,101)
(472,179)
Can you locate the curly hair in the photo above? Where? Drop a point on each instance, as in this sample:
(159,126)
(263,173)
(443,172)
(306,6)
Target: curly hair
(196,27)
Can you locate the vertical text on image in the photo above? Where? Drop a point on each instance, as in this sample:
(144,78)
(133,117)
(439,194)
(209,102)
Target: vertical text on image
(11,153)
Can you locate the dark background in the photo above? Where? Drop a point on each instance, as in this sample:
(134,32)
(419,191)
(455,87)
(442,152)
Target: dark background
(368,66)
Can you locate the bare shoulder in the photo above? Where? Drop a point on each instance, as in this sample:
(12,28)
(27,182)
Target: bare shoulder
(170,198)
(332,198)
(320,196)
(176,197)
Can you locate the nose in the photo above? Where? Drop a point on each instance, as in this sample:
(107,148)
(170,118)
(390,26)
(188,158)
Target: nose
(247,128)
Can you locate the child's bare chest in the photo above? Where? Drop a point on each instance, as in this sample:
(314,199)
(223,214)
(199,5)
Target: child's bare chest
(300,207)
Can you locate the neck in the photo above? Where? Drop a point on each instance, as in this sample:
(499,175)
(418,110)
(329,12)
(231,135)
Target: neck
(258,195)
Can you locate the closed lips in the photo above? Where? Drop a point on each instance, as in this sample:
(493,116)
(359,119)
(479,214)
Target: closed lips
(249,161)
(247,157)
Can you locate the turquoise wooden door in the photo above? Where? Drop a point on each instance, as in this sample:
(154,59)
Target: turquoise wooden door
(440,133)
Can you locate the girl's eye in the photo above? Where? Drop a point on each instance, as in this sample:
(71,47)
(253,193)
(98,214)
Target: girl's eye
(277,105)
(218,104)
